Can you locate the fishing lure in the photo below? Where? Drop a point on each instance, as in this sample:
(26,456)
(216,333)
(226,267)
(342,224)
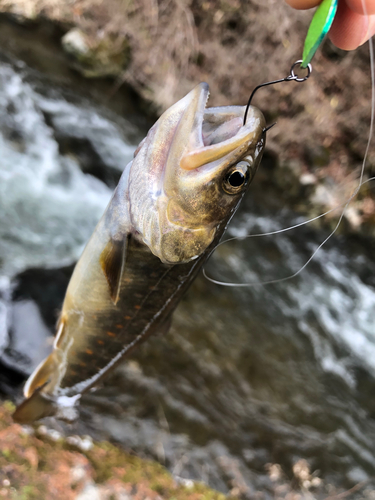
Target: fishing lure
(318,29)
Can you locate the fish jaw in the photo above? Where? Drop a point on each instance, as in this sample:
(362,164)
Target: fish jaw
(203,202)
(175,185)
(200,204)
(201,195)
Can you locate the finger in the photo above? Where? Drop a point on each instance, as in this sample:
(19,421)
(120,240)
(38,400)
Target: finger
(370,30)
(349,28)
(362,6)
(303,4)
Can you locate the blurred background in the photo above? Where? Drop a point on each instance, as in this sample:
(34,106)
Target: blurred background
(261,392)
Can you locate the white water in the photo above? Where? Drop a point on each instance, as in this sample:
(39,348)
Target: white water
(48,207)
(341,303)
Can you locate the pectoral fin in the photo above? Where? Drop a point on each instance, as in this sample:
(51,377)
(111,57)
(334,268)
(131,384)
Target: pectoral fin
(112,261)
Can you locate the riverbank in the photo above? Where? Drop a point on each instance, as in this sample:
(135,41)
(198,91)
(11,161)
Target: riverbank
(39,463)
(160,50)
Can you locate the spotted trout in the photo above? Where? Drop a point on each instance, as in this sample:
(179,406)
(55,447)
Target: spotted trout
(169,210)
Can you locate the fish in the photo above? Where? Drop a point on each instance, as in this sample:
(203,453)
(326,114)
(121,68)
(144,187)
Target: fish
(170,209)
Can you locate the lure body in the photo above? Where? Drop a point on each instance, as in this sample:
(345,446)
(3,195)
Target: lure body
(169,210)
(318,29)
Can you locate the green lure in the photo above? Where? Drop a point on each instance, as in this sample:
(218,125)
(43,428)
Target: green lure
(319,27)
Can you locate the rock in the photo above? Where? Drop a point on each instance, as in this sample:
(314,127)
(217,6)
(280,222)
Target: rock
(29,342)
(308,179)
(75,43)
(90,492)
(22,12)
(4,314)
(96,57)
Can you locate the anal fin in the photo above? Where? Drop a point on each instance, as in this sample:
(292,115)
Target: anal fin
(112,261)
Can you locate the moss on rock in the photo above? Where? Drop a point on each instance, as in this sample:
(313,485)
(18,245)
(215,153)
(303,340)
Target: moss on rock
(96,56)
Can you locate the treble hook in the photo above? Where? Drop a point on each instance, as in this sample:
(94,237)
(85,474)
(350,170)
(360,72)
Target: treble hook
(291,77)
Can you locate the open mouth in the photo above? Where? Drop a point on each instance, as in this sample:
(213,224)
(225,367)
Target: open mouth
(221,124)
(218,131)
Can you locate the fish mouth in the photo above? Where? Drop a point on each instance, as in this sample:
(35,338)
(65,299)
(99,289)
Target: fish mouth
(217,131)
(219,126)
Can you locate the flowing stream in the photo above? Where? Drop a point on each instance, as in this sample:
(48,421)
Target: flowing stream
(246,376)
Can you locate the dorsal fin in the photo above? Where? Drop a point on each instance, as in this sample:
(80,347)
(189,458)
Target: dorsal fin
(112,261)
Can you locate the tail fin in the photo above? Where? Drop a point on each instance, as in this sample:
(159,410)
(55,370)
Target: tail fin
(35,407)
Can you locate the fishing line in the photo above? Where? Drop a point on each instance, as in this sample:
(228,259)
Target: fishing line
(345,204)
(279,280)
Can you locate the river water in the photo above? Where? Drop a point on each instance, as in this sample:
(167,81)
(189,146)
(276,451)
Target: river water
(246,377)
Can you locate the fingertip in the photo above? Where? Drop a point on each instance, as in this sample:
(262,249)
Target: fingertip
(364,7)
(348,29)
(370,30)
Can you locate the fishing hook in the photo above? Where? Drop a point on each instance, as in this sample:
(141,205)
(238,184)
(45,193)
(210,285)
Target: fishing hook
(291,77)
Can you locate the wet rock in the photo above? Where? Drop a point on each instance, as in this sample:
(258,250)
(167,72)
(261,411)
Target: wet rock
(29,307)
(4,311)
(76,44)
(30,339)
(46,288)
(96,56)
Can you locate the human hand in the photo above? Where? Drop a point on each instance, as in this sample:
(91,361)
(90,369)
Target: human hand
(354,22)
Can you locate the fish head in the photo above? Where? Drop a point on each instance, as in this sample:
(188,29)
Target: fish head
(199,164)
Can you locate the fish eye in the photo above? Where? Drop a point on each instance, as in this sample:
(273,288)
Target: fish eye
(238,176)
